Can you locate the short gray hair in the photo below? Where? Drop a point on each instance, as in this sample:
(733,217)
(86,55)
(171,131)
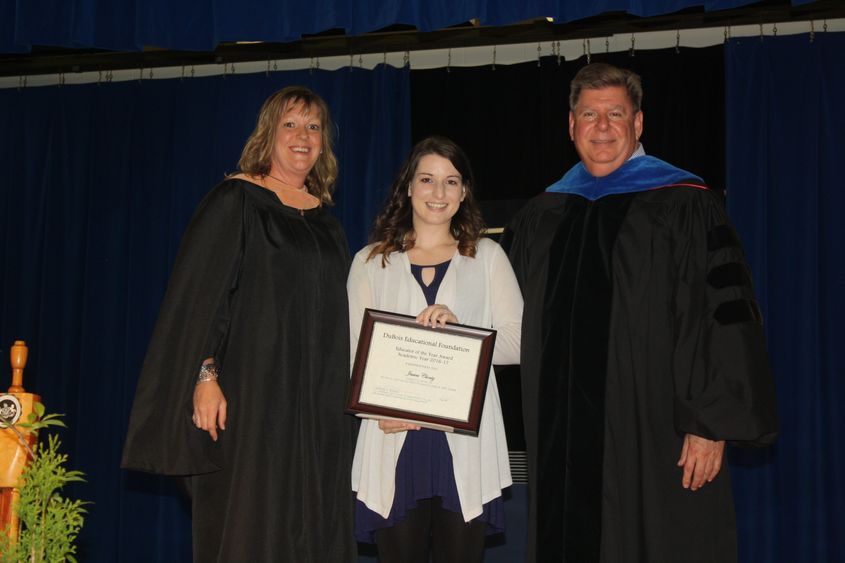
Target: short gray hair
(601,75)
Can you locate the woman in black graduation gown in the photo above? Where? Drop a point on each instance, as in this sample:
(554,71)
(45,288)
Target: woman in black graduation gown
(243,385)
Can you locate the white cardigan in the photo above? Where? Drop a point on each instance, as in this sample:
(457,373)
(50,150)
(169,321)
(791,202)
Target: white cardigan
(481,291)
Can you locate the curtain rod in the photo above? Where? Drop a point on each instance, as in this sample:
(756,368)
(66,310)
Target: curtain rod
(488,55)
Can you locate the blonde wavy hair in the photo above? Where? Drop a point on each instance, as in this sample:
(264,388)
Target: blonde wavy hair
(256,155)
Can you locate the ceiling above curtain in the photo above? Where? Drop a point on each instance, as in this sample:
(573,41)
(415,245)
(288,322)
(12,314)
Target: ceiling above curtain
(200,25)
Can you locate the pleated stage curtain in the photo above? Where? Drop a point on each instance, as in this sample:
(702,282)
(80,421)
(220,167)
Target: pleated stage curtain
(129,25)
(787,197)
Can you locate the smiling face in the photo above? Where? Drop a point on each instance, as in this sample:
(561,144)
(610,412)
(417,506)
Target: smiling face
(436,191)
(297,144)
(605,129)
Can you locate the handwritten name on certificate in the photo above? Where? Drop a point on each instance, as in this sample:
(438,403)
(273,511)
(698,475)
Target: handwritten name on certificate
(423,372)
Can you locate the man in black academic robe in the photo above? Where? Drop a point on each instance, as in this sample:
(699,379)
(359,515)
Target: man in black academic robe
(642,348)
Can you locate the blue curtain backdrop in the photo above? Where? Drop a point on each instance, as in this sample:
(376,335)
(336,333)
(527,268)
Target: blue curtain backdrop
(129,25)
(97,185)
(786,194)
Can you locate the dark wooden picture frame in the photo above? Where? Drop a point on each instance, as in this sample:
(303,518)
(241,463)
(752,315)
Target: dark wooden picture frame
(363,362)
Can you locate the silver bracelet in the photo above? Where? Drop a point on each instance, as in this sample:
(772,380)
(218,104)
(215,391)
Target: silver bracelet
(208,372)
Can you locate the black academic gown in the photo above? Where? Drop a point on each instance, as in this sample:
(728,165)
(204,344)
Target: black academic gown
(262,288)
(640,325)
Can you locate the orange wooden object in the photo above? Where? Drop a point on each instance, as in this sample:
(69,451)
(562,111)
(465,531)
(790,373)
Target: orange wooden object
(19,404)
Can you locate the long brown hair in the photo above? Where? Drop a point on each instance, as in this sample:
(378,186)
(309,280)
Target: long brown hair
(255,158)
(394,229)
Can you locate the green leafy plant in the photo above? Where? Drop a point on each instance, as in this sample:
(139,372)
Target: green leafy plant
(49,522)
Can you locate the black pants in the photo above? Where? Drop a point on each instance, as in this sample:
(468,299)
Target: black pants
(429,529)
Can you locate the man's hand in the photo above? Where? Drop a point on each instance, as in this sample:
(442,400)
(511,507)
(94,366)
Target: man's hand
(701,459)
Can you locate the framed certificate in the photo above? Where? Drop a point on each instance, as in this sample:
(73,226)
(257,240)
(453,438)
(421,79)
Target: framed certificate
(434,377)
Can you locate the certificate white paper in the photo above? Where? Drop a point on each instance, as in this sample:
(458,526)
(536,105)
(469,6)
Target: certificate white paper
(421,373)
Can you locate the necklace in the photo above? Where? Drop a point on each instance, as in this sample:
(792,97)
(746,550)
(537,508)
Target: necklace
(285,185)
(298,198)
